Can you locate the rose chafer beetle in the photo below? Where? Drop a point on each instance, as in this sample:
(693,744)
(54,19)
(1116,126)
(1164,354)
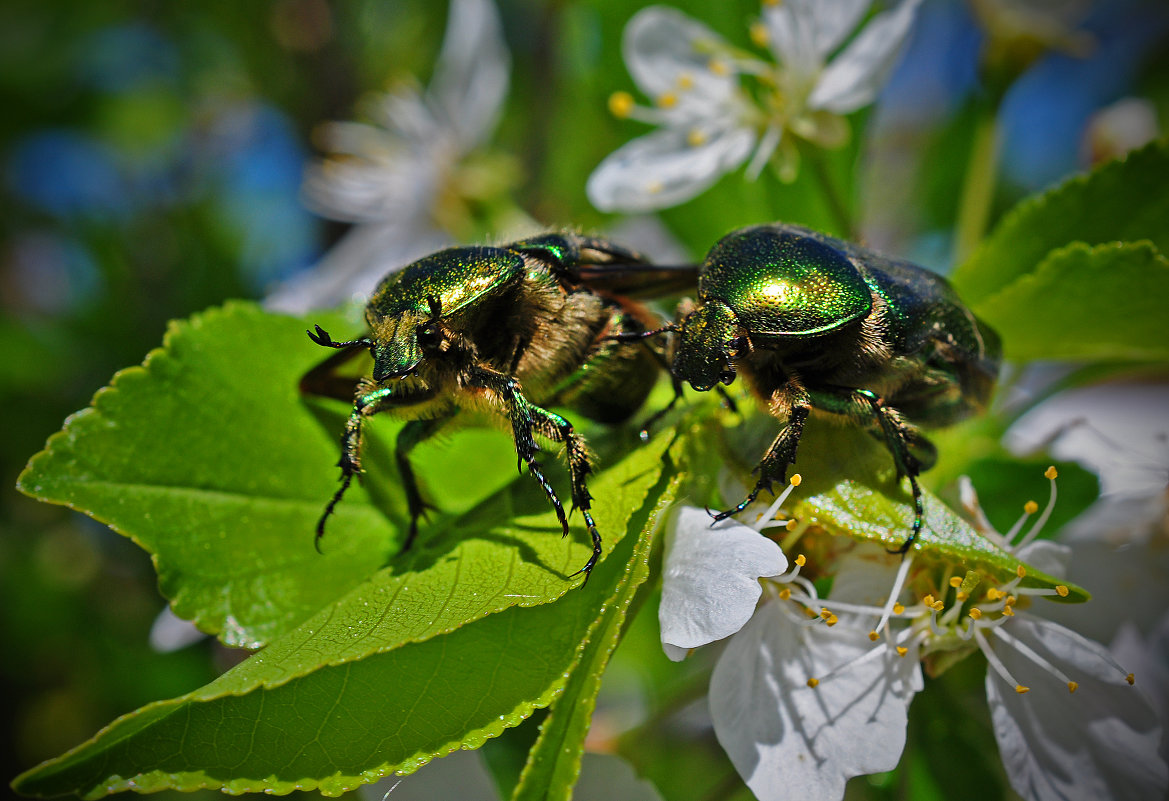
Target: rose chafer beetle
(816,325)
(500,332)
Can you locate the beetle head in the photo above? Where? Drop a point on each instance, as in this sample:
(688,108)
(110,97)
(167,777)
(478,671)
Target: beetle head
(708,341)
(401,341)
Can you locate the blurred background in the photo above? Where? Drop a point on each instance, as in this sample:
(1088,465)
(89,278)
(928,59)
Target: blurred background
(152,158)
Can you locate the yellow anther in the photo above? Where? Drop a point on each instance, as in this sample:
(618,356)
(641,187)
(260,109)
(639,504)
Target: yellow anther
(810,612)
(1010,601)
(1020,689)
(825,612)
(898,608)
(902,650)
(975,612)
(695,138)
(719,68)
(759,34)
(1021,571)
(831,621)
(791,525)
(961,596)
(874,636)
(1131,678)
(1061,590)
(795,480)
(813,682)
(685,81)
(1072,686)
(928,601)
(993,594)
(1030,507)
(620,104)
(785,593)
(801,561)
(1008,611)
(667,100)
(1050,473)
(956,582)
(939,606)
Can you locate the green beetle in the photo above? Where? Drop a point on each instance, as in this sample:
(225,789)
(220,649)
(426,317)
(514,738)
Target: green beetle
(818,325)
(499,333)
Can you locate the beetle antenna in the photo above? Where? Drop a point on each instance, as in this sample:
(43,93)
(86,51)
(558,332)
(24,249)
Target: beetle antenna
(435,308)
(634,336)
(322,338)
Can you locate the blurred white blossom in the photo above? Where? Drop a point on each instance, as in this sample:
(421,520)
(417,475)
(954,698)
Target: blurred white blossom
(400,178)
(710,123)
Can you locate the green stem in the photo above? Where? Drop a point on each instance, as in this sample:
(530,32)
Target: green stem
(978,188)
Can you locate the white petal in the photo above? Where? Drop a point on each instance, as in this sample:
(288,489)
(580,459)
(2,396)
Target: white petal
(664,169)
(1117,430)
(406,115)
(667,51)
(369,191)
(790,30)
(471,77)
(1100,742)
(1050,557)
(854,77)
(865,575)
(803,32)
(170,632)
(788,740)
(352,268)
(710,581)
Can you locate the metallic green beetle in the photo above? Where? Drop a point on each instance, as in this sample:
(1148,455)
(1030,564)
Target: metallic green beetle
(818,325)
(498,333)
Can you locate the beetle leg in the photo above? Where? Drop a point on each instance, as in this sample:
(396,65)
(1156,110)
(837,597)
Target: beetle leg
(794,401)
(410,435)
(367,402)
(526,419)
(899,438)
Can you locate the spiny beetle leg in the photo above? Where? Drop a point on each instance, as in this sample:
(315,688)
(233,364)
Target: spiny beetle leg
(773,466)
(409,436)
(897,436)
(346,478)
(587,570)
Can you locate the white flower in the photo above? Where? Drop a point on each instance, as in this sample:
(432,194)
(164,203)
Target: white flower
(710,125)
(810,691)
(397,178)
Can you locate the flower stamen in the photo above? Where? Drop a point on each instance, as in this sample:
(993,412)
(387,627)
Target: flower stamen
(768,519)
(1050,474)
(996,663)
(1027,651)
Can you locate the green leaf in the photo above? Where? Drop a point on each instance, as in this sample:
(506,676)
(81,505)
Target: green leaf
(1122,200)
(209,458)
(1083,302)
(380,681)
(554,762)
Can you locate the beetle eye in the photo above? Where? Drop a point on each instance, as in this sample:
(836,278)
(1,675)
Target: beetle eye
(738,346)
(727,376)
(428,336)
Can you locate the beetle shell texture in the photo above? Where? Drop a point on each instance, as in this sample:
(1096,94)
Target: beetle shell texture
(780,283)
